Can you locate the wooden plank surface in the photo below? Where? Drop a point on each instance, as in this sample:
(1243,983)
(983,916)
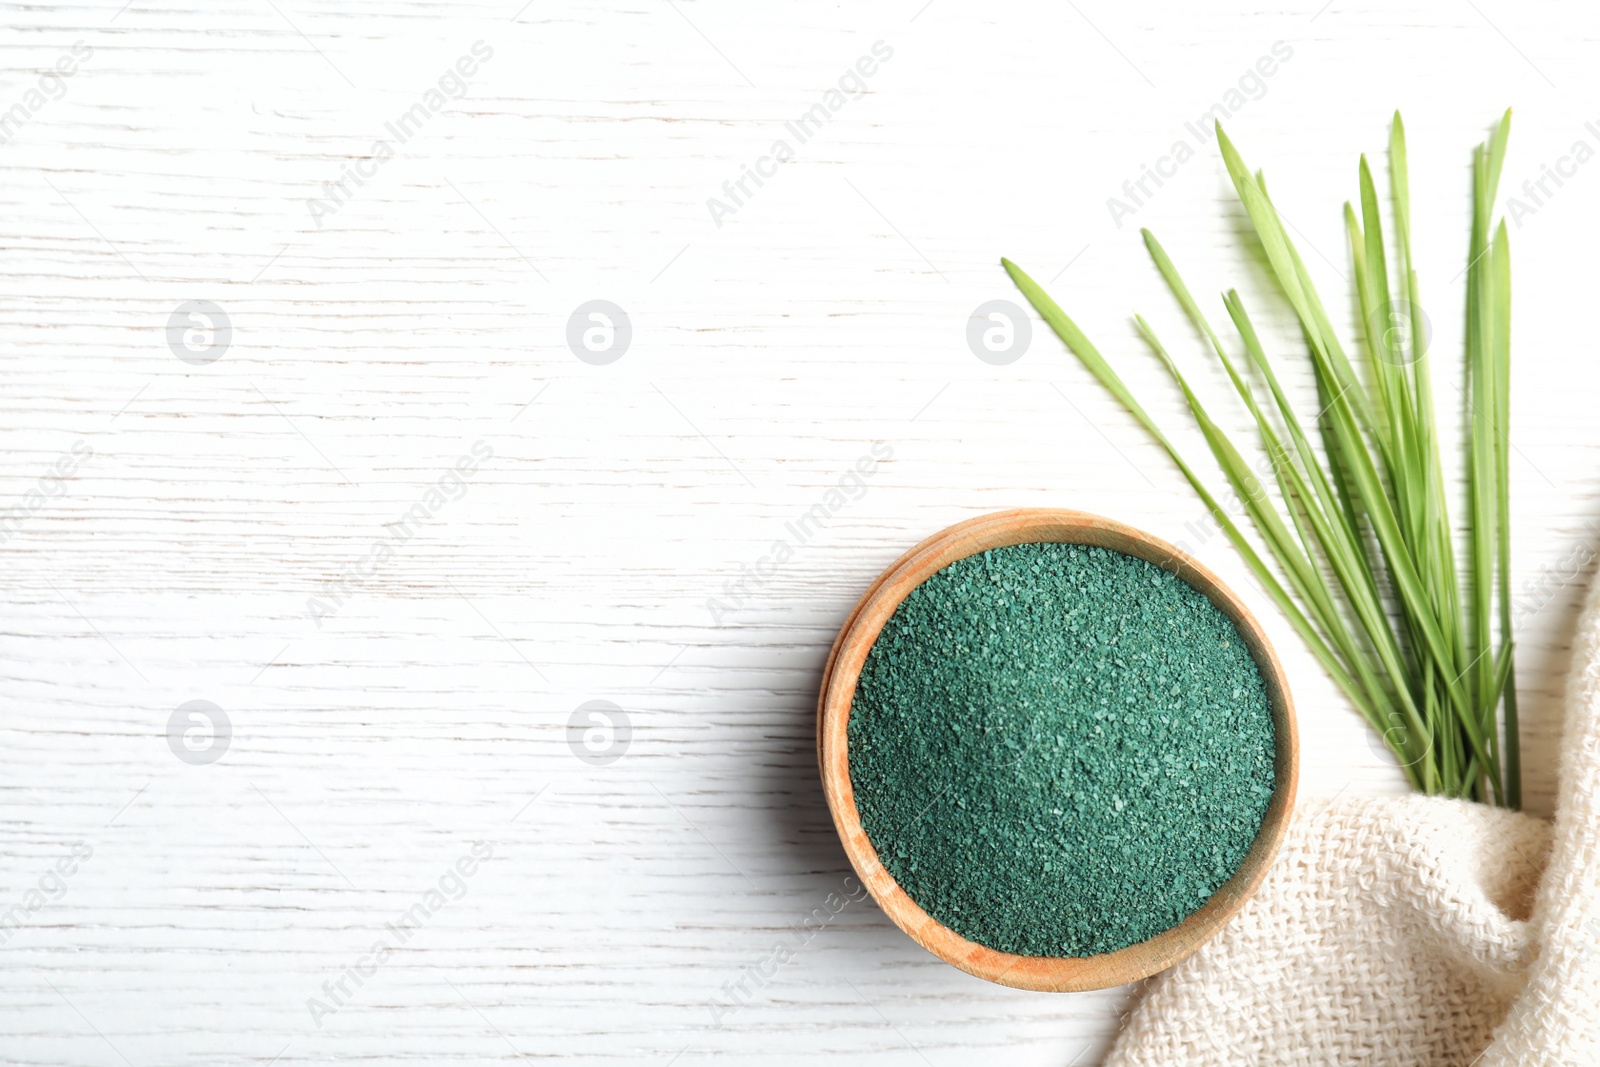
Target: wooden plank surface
(399,643)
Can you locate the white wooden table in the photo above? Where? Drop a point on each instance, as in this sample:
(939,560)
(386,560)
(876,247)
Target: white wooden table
(276,523)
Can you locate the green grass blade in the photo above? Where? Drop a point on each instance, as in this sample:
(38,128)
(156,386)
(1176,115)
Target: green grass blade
(1293,278)
(1501,360)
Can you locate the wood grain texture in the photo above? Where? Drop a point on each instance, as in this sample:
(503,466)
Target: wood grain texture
(373,347)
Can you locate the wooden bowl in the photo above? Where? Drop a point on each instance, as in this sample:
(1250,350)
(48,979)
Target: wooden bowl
(878,603)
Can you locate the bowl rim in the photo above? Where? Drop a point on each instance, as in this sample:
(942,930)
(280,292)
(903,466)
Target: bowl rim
(855,639)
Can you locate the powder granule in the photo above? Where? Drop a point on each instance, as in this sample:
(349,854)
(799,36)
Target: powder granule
(1060,750)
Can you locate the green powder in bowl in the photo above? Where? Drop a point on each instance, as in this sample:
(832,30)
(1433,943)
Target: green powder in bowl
(1059,749)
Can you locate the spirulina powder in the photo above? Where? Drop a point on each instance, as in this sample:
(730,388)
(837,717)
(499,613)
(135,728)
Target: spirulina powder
(1060,750)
